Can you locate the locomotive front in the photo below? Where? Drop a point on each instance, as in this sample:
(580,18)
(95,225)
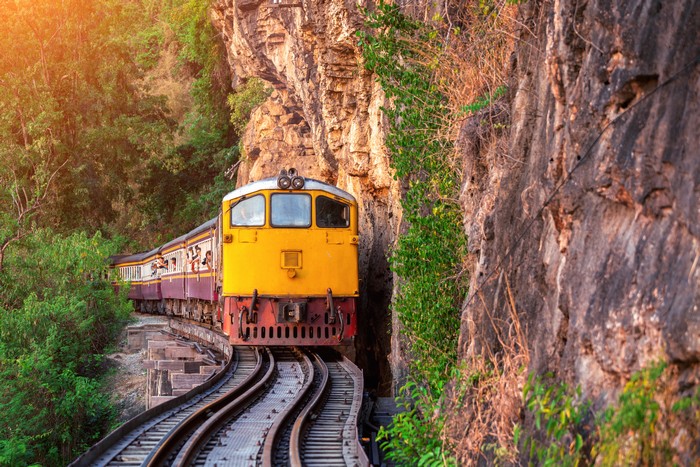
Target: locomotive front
(289,263)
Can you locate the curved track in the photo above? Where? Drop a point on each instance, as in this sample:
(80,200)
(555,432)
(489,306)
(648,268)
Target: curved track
(323,435)
(271,406)
(134,447)
(303,412)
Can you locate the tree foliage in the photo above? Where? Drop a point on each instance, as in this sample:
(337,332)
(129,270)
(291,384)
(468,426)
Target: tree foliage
(184,187)
(69,99)
(58,313)
(78,108)
(87,144)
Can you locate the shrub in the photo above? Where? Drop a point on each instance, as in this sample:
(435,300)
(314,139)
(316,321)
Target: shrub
(414,436)
(559,413)
(425,71)
(649,425)
(58,315)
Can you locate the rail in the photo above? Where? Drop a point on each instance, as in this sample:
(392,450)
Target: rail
(270,406)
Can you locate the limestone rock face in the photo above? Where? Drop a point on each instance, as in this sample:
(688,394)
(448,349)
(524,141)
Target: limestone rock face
(581,208)
(588,210)
(323,119)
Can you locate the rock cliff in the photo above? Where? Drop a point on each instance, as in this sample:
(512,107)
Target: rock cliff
(324,119)
(591,215)
(583,214)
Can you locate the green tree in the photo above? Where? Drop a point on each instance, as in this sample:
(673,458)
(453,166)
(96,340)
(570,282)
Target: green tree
(185,186)
(75,127)
(58,314)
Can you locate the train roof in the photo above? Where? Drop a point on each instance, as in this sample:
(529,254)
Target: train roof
(271,184)
(175,241)
(114,259)
(134,258)
(211,223)
(153,252)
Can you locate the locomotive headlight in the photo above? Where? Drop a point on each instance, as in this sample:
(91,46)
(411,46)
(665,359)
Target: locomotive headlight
(298,183)
(284,182)
(290,179)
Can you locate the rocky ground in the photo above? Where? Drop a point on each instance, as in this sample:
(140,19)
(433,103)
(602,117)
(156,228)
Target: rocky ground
(127,382)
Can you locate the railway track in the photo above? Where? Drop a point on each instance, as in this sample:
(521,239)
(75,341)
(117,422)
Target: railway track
(269,406)
(322,435)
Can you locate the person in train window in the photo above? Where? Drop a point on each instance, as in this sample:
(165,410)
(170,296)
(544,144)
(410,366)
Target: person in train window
(249,212)
(160,263)
(207,260)
(173,264)
(331,213)
(195,258)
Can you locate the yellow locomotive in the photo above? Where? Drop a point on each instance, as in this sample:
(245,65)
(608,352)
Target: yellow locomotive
(279,266)
(289,262)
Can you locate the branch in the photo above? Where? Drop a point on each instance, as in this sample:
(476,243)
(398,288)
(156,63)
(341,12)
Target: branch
(36,204)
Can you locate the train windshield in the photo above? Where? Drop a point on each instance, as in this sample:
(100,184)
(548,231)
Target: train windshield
(249,212)
(331,213)
(290,210)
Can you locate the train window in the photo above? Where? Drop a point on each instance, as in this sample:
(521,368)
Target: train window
(249,212)
(290,210)
(331,213)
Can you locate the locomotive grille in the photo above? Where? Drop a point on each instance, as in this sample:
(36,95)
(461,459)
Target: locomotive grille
(291,259)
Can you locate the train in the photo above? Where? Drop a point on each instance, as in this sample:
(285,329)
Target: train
(277,266)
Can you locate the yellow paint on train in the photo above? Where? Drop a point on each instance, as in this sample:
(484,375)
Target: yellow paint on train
(290,261)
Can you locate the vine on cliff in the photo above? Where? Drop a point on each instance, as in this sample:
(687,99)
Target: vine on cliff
(650,424)
(434,74)
(428,256)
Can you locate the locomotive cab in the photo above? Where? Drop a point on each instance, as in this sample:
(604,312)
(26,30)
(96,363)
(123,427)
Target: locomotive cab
(289,265)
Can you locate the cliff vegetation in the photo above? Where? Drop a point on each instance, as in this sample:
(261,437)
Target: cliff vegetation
(535,375)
